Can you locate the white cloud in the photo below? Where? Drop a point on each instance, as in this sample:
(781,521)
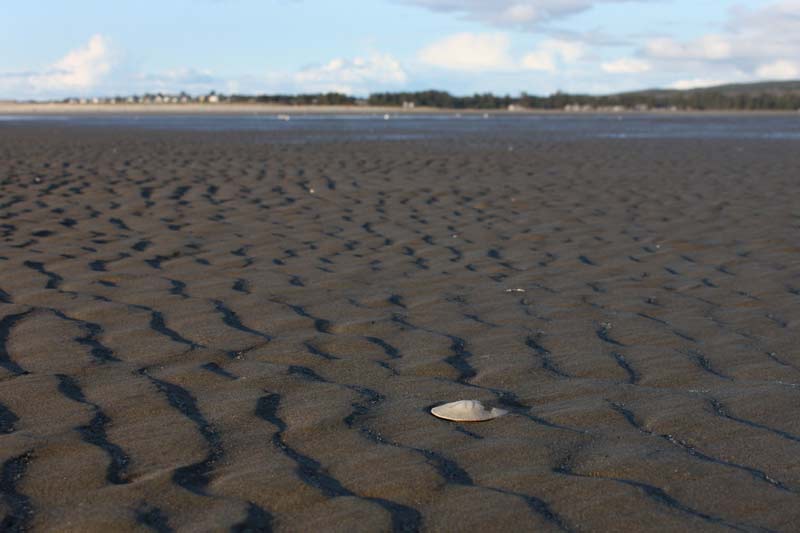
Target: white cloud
(695,83)
(472,52)
(551,52)
(539,60)
(779,70)
(79,70)
(352,76)
(758,43)
(524,14)
(491,52)
(626,65)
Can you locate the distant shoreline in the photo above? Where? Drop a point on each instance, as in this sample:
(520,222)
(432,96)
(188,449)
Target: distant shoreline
(14,108)
(10,108)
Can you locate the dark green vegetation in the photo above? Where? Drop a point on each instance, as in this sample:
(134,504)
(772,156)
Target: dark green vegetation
(745,96)
(748,96)
(296,99)
(764,96)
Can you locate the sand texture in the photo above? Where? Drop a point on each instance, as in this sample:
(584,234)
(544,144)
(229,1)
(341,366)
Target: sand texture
(213,332)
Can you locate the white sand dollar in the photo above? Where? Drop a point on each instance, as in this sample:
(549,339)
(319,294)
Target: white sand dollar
(466,411)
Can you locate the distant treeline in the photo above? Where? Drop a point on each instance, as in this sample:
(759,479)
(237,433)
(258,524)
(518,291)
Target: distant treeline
(705,99)
(294,99)
(701,99)
(443,100)
(696,100)
(761,96)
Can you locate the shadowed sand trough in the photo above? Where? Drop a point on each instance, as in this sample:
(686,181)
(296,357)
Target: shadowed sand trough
(221,332)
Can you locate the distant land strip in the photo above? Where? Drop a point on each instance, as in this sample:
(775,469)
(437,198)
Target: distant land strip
(762,96)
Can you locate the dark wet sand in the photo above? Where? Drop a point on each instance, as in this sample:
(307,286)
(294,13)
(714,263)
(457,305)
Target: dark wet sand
(191,339)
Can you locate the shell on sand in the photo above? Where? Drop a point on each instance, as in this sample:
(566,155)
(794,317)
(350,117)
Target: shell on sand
(466,411)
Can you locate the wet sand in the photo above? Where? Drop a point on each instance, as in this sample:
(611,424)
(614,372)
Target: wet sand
(219,332)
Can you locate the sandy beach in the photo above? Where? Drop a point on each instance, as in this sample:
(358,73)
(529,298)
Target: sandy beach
(217,331)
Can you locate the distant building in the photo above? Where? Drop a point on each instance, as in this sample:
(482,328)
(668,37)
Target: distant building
(577,108)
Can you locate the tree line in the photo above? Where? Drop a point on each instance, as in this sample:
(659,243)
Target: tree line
(695,100)
(294,99)
(722,98)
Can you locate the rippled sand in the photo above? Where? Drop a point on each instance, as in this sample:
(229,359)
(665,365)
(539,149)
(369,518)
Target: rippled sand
(213,332)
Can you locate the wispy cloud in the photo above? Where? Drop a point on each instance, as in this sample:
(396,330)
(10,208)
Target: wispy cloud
(626,65)
(358,75)
(707,47)
(352,75)
(180,79)
(520,14)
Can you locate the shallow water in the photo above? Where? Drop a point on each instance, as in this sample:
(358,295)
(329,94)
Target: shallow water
(409,127)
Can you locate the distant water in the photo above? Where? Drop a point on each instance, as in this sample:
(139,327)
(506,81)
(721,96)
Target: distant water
(401,127)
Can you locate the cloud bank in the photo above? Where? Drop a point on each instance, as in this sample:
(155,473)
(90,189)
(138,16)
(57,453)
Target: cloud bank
(757,43)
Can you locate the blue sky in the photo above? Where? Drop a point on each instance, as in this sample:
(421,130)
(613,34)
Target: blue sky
(51,49)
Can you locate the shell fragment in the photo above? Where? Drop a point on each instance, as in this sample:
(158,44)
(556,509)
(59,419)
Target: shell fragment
(466,411)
